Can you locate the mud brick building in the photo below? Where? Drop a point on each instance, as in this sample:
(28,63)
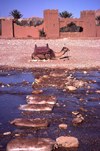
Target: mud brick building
(52,24)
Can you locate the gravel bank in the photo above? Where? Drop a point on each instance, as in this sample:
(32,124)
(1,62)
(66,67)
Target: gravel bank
(84,53)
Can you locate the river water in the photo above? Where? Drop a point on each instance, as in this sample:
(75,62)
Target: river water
(13,92)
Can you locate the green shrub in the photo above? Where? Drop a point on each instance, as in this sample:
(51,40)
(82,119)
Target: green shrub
(71,24)
(62,29)
(42,33)
(31,23)
(18,23)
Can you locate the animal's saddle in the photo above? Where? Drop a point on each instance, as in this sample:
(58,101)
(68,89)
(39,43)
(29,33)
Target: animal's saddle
(41,50)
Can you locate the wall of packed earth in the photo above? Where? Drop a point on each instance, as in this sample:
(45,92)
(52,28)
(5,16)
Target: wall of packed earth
(52,24)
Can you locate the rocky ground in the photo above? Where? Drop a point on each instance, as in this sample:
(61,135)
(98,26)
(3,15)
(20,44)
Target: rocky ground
(84,53)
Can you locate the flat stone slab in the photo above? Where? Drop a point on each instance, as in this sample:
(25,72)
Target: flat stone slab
(34,99)
(37,122)
(31,144)
(36,107)
(67,142)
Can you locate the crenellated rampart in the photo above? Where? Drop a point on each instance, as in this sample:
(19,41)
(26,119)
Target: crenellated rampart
(52,24)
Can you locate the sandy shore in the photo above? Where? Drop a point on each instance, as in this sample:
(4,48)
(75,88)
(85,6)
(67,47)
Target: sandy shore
(84,53)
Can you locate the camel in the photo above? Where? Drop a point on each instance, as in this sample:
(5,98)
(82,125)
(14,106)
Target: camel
(46,53)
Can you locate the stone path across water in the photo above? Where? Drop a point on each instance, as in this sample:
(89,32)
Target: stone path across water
(84,101)
(38,103)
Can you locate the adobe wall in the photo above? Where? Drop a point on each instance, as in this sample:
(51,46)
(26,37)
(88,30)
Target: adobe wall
(52,24)
(65,21)
(20,31)
(71,34)
(86,21)
(51,20)
(10,29)
(97,13)
(7,28)
(79,22)
(97,31)
(89,23)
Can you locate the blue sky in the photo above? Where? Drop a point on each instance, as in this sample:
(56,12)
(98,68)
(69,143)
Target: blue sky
(34,8)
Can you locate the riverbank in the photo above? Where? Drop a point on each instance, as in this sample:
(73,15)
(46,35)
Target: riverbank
(84,53)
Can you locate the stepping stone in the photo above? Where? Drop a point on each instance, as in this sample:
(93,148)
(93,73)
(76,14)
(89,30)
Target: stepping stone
(34,99)
(37,92)
(71,88)
(77,120)
(37,122)
(31,144)
(62,126)
(36,107)
(97,91)
(67,142)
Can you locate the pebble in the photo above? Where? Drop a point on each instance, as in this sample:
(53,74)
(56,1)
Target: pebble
(7,133)
(0,83)
(2,86)
(71,88)
(77,120)
(81,99)
(64,90)
(75,112)
(63,126)
(97,91)
(37,81)
(37,92)
(80,116)
(85,72)
(17,135)
(57,104)
(8,85)
(82,109)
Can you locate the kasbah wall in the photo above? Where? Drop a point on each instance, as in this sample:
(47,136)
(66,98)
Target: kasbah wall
(52,24)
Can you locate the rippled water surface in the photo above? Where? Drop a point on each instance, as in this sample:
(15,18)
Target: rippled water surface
(13,92)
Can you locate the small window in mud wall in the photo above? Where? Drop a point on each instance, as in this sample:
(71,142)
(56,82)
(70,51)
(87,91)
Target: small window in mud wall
(0,28)
(71,27)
